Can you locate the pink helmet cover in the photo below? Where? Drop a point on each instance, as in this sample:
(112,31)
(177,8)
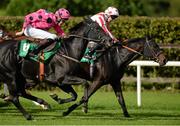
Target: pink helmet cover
(62,13)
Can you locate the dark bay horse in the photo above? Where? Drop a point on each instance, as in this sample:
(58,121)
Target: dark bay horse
(15,73)
(110,68)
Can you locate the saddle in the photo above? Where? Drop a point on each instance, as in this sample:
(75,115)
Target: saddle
(4,36)
(44,57)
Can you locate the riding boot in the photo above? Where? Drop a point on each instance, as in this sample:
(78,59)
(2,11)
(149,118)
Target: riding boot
(91,70)
(42,45)
(92,51)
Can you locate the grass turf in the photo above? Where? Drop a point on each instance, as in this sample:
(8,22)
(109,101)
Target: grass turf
(158,108)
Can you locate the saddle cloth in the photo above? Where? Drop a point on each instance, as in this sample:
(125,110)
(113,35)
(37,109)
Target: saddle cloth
(25,46)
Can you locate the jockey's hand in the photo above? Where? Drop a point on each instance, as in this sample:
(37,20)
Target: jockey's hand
(65,36)
(115,40)
(19,33)
(118,43)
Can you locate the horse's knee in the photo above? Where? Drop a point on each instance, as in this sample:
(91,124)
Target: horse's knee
(74,96)
(15,99)
(84,99)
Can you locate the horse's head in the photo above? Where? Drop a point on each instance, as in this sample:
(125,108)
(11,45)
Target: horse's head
(153,51)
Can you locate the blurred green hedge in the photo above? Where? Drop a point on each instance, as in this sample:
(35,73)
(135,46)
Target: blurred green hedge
(165,30)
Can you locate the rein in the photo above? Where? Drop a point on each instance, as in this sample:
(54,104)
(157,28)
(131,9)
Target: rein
(89,39)
(132,50)
(70,58)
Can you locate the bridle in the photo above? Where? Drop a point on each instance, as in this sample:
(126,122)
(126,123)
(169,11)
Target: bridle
(154,55)
(147,43)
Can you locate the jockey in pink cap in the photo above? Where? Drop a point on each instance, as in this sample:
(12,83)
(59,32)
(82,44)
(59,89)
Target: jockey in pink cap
(104,18)
(37,24)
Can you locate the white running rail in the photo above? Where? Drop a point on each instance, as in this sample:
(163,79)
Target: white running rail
(138,64)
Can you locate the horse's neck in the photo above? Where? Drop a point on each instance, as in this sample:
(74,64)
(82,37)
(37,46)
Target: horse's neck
(125,56)
(74,47)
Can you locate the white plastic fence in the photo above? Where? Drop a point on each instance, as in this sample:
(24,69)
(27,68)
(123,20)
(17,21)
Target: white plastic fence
(138,64)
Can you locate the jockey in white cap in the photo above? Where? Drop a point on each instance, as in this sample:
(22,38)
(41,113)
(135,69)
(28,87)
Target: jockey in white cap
(104,18)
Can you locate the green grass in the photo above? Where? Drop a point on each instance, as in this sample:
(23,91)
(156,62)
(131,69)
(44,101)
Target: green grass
(158,108)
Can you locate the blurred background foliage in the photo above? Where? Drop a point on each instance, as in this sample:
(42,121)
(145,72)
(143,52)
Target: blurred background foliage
(89,7)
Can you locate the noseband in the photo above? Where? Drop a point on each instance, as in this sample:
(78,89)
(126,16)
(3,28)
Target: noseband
(154,55)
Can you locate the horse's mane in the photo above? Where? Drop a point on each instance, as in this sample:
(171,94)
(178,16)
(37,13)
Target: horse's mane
(87,20)
(73,30)
(134,40)
(139,39)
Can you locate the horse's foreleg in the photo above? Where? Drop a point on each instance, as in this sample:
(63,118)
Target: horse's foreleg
(21,82)
(85,104)
(65,87)
(40,101)
(90,91)
(72,107)
(68,89)
(15,101)
(116,85)
(6,92)
(14,92)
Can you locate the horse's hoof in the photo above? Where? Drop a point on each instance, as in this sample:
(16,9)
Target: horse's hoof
(8,98)
(65,113)
(126,115)
(60,101)
(46,107)
(85,110)
(54,96)
(28,117)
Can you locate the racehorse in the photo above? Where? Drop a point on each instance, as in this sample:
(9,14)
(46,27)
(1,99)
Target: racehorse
(14,71)
(111,65)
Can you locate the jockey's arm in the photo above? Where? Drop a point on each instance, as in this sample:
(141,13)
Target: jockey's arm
(105,27)
(59,31)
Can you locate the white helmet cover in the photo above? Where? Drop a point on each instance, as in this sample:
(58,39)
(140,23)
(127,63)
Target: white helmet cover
(112,11)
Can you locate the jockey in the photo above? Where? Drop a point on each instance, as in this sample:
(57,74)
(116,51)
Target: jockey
(103,19)
(37,24)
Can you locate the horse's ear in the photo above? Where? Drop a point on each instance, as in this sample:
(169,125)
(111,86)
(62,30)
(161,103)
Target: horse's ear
(87,17)
(2,27)
(150,37)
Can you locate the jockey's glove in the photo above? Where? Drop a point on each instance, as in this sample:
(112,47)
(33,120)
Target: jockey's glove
(119,43)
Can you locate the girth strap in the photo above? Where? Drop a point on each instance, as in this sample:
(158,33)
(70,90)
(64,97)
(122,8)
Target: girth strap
(41,67)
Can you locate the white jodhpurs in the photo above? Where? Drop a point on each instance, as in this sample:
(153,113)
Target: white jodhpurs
(38,33)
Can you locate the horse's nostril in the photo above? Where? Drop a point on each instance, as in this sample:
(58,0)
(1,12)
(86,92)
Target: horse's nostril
(164,62)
